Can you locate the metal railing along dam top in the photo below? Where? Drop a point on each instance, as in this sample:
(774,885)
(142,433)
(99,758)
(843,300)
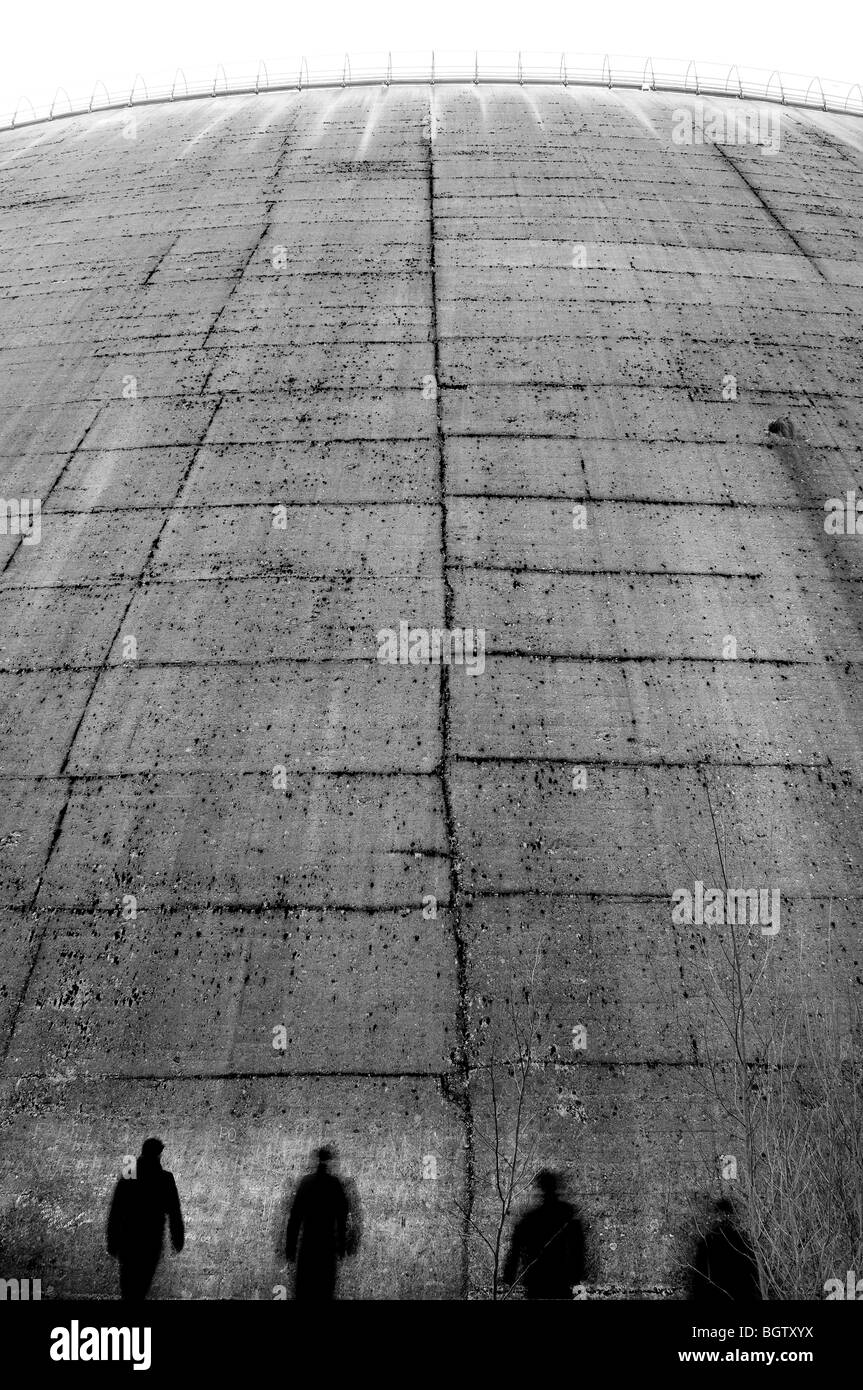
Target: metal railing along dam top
(648,74)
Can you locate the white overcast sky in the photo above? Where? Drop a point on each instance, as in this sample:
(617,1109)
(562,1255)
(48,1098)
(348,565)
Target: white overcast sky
(73,42)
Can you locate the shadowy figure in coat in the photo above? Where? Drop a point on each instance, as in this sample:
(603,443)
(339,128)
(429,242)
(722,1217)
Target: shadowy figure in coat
(724,1265)
(546,1255)
(136,1221)
(324,1226)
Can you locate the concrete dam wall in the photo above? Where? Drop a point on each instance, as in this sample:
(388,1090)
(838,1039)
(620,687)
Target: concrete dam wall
(284,373)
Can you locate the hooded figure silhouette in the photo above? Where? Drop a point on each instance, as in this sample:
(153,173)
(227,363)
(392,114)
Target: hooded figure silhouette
(136,1221)
(547,1250)
(323,1227)
(724,1265)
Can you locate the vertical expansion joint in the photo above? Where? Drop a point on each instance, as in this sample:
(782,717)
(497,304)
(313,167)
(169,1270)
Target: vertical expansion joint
(462,1059)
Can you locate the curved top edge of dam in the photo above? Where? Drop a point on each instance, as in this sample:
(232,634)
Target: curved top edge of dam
(690,77)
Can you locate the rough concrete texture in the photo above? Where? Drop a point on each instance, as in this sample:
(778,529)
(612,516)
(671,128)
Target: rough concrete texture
(580,288)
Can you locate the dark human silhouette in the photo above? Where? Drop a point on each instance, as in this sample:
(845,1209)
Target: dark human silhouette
(546,1255)
(355,1217)
(324,1226)
(724,1265)
(136,1221)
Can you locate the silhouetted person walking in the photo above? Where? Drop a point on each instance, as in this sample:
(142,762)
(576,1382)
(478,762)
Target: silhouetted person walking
(136,1221)
(323,1227)
(725,1269)
(547,1247)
